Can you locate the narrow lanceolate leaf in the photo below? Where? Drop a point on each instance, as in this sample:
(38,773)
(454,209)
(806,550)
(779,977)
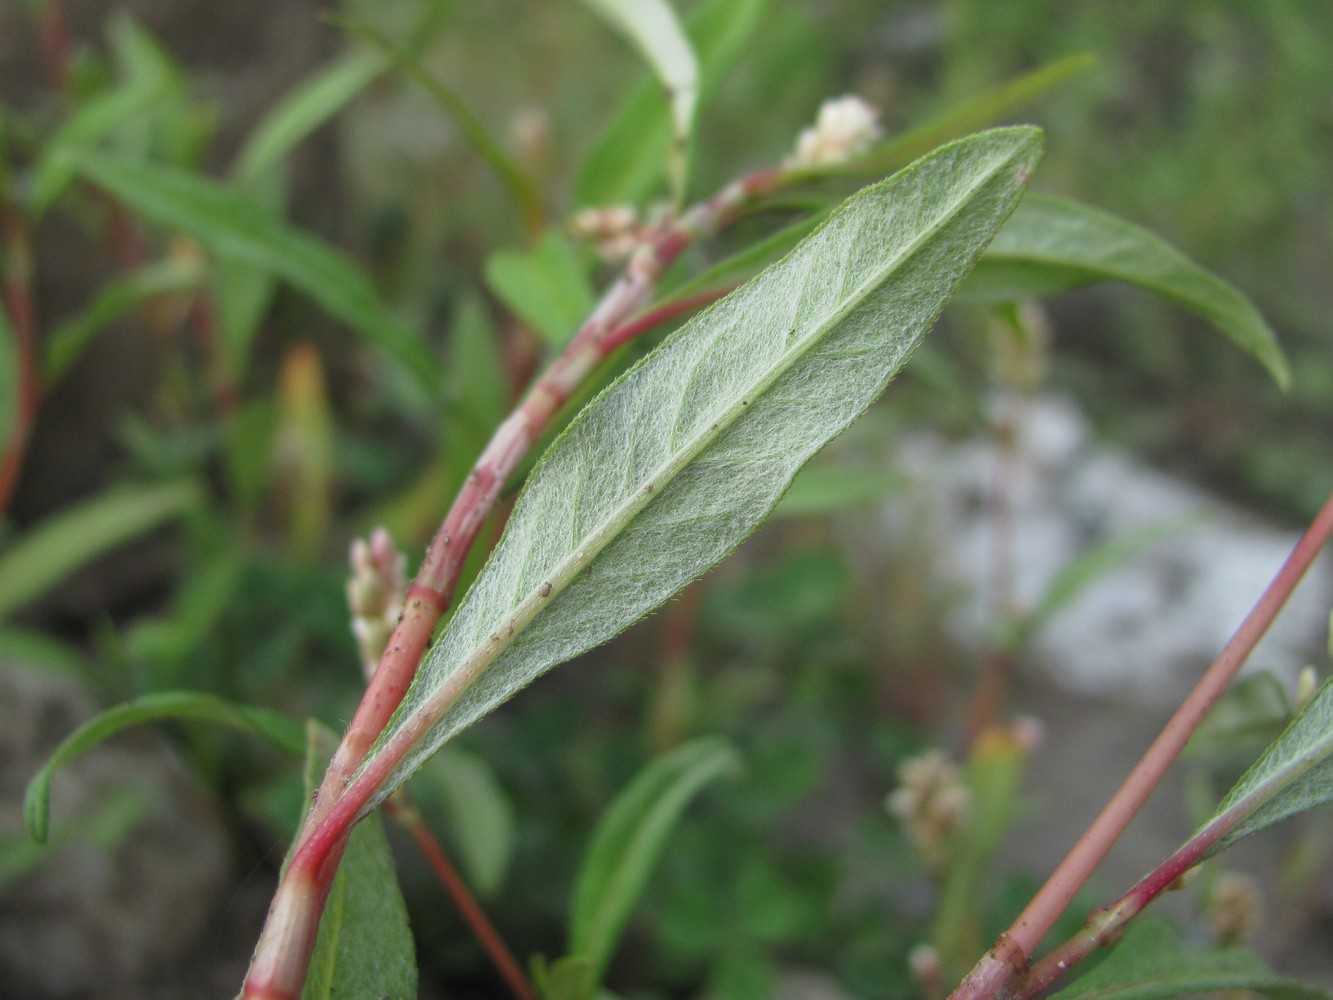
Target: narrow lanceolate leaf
(654,29)
(1152,963)
(72,537)
(626,163)
(1051,245)
(1293,775)
(278,729)
(312,103)
(234,226)
(629,840)
(682,457)
(547,287)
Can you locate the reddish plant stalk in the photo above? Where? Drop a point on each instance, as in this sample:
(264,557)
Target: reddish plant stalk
(1007,962)
(18,305)
(282,955)
(473,915)
(1107,923)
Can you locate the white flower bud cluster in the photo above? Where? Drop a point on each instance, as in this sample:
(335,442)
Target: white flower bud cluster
(845,126)
(931,802)
(375,593)
(614,230)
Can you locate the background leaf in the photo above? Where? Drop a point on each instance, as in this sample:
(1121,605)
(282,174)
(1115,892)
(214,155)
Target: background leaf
(57,546)
(117,297)
(232,225)
(548,288)
(304,109)
(1151,962)
(1293,775)
(1051,244)
(280,730)
(627,162)
(476,813)
(681,458)
(828,489)
(653,28)
(630,838)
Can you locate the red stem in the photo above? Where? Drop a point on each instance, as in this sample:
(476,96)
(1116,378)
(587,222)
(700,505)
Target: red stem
(473,915)
(1007,960)
(18,305)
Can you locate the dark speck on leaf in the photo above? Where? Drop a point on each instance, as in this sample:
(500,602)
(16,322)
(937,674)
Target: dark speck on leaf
(545,589)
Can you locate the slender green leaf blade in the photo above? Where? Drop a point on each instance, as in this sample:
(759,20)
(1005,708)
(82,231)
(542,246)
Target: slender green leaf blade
(986,110)
(74,536)
(681,458)
(629,157)
(280,730)
(1294,774)
(232,225)
(117,297)
(1151,963)
(629,840)
(300,112)
(364,947)
(547,288)
(480,818)
(653,28)
(149,76)
(1051,244)
(519,186)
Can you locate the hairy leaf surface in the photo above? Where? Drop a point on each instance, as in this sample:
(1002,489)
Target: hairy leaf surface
(1293,775)
(676,462)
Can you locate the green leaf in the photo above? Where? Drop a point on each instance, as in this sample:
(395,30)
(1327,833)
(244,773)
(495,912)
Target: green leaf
(826,490)
(630,838)
(480,818)
(280,730)
(304,109)
(110,823)
(1294,774)
(234,226)
(985,110)
(59,545)
(1086,569)
(1151,962)
(653,28)
(364,947)
(745,263)
(522,192)
(677,461)
(118,297)
(629,157)
(1051,244)
(150,78)
(568,978)
(547,288)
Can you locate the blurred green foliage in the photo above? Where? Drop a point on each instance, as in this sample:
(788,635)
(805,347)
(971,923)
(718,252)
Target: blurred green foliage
(285,435)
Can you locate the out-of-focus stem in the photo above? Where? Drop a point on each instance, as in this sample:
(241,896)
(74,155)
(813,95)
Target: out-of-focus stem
(1006,963)
(401,810)
(18,306)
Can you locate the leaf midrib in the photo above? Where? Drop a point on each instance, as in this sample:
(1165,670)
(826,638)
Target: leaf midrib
(593,543)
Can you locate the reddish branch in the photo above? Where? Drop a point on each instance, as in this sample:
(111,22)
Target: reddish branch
(277,970)
(1003,971)
(18,306)
(473,915)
